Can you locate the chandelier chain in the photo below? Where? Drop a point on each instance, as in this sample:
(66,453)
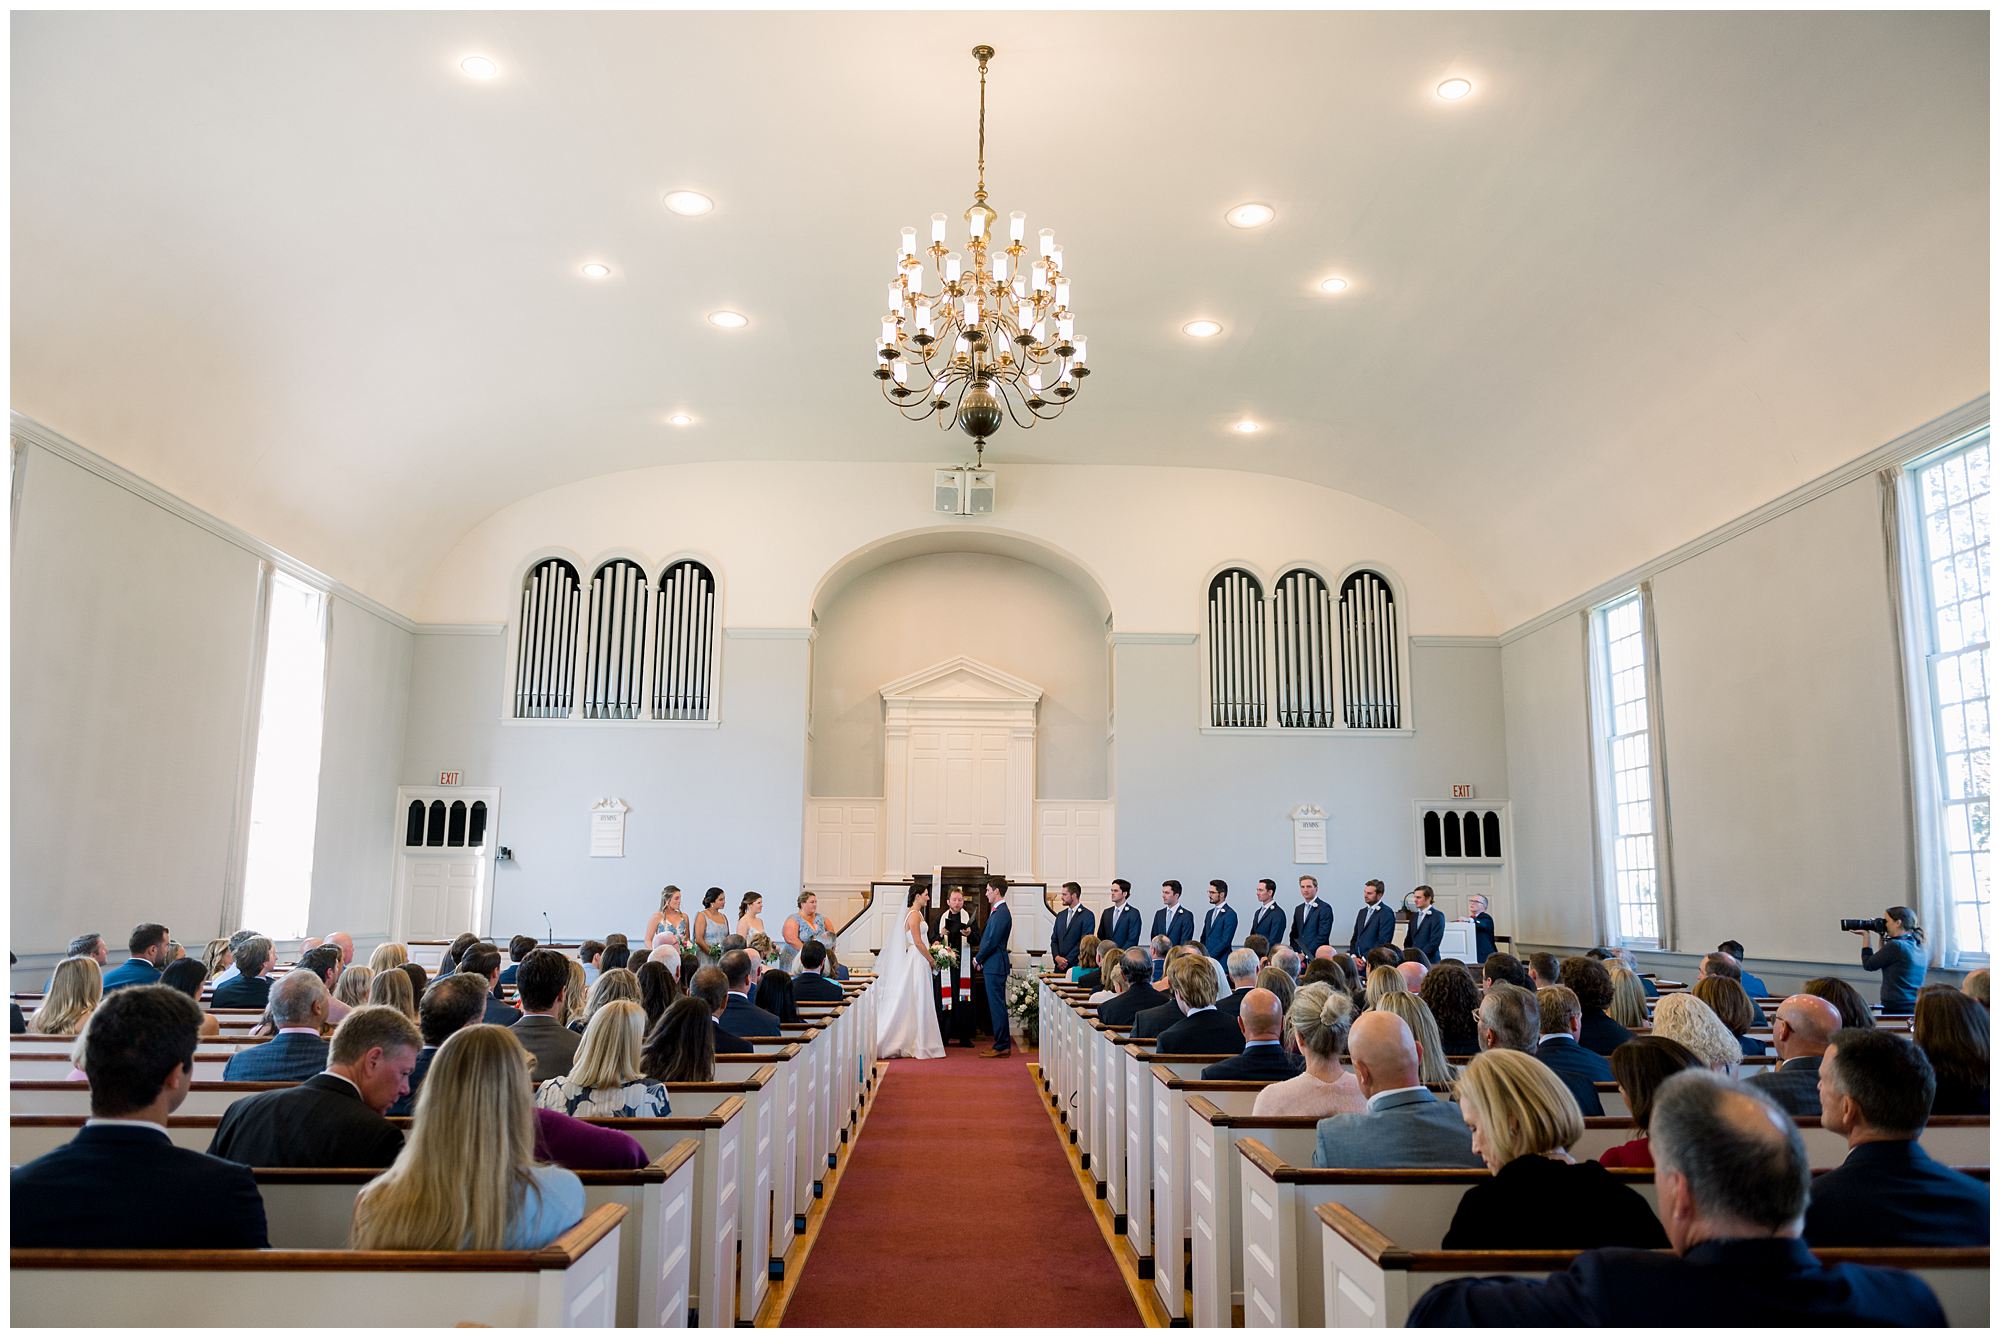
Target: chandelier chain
(980,193)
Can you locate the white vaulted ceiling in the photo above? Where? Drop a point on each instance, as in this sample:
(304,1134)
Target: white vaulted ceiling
(1656,270)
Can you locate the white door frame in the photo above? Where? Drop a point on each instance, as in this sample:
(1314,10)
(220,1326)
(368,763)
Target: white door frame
(1503,866)
(963,692)
(482,909)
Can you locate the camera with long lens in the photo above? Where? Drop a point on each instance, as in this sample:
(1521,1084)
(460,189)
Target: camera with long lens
(1878,925)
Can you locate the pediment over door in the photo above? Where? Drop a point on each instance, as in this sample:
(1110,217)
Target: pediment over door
(961,679)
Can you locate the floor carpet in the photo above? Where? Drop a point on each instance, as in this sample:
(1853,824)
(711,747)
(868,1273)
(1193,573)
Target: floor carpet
(959,1209)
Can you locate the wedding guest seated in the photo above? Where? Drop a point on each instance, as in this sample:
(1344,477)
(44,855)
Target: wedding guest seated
(1751,985)
(1854,1010)
(1148,1025)
(1875,1090)
(459,947)
(658,987)
(543,1029)
(1682,1017)
(251,985)
(1241,969)
(419,982)
(451,1004)
(590,954)
(617,953)
(604,1078)
(1544,970)
(1262,1021)
(775,996)
(1721,964)
(1320,1016)
(810,985)
(74,991)
(1726,999)
(1413,974)
(1628,998)
(188,975)
(298,1011)
(712,987)
(1083,970)
(637,961)
(467,1179)
(1801,1029)
(1404,1124)
(1950,1028)
(1158,948)
(1523,1122)
(1138,994)
(681,1046)
(1591,983)
(388,957)
(1561,1020)
(1288,961)
(344,943)
(149,951)
(1384,980)
(1204,1030)
(1110,973)
(518,948)
(484,961)
(1454,1001)
(1640,1067)
(1979,985)
(392,990)
(613,983)
(1732,1189)
(325,963)
(1383,956)
(351,987)
(332,1118)
(1279,982)
(1505,968)
(741,1016)
(1259,946)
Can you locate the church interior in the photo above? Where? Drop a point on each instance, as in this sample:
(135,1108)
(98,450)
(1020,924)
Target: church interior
(1505,490)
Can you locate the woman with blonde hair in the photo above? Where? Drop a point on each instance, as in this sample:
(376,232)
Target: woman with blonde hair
(74,991)
(1110,972)
(1432,1066)
(467,1178)
(1628,998)
(1523,1123)
(1318,1018)
(612,985)
(388,957)
(217,957)
(1384,980)
(392,988)
(576,998)
(1680,1016)
(1729,1002)
(352,987)
(604,1080)
(670,918)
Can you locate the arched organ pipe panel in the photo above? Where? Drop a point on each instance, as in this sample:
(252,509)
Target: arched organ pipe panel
(544,669)
(1303,614)
(684,643)
(619,600)
(1236,650)
(1371,696)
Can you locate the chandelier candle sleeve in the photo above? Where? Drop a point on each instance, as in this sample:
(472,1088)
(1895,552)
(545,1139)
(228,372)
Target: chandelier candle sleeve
(976,320)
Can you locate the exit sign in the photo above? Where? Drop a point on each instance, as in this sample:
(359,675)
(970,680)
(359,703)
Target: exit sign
(448,777)
(1457,791)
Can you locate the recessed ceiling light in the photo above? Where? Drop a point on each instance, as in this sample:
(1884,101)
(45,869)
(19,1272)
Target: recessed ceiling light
(1451,90)
(728,320)
(478,67)
(1333,283)
(1201,329)
(688,203)
(680,419)
(1246,426)
(1252,215)
(596,271)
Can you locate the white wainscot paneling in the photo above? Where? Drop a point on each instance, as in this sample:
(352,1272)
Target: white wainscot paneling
(1074,842)
(843,843)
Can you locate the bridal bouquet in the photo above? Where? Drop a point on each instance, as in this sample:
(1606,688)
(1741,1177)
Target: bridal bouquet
(942,957)
(1024,1004)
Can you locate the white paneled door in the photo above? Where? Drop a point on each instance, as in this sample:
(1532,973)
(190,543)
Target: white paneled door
(958,795)
(444,863)
(958,769)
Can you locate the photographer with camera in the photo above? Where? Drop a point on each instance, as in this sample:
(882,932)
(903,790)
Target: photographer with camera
(1897,954)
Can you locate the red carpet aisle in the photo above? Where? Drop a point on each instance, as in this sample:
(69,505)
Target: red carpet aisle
(959,1209)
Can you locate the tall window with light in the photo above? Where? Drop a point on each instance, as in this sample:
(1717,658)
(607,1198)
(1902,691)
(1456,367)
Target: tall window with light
(284,796)
(1622,725)
(1950,495)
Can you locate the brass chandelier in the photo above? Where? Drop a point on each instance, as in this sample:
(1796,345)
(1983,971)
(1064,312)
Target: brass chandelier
(996,340)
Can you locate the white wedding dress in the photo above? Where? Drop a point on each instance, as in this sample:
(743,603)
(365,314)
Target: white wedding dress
(906,1020)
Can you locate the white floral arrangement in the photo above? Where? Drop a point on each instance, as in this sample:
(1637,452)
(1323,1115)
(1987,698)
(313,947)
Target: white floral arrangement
(1024,1004)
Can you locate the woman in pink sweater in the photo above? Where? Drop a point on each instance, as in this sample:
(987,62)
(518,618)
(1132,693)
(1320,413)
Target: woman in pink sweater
(1318,1019)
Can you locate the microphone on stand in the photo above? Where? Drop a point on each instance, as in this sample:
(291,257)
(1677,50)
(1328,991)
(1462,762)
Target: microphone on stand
(985,865)
(551,924)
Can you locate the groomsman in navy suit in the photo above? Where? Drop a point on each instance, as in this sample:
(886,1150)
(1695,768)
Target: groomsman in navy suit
(996,965)
(1119,923)
(1172,919)
(1426,926)
(1312,922)
(1374,923)
(1270,918)
(1072,926)
(1218,928)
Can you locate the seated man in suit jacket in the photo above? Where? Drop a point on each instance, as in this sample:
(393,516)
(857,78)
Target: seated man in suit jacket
(1242,966)
(1138,994)
(712,987)
(483,960)
(1801,1029)
(251,988)
(449,1004)
(741,1017)
(544,985)
(1119,923)
(333,1118)
(1875,1089)
(150,953)
(121,1183)
(1561,1020)
(1148,1025)
(1405,1124)
(1262,1022)
(809,986)
(1204,1031)
(1426,926)
(518,948)
(1731,1178)
(298,1009)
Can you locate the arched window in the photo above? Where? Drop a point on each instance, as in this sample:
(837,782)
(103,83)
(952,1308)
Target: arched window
(684,650)
(455,831)
(615,652)
(1472,832)
(1370,654)
(1492,835)
(1433,835)
(434,834)
(545,658)
(1236,650)
(1302,612)
(476,835)
(413,824)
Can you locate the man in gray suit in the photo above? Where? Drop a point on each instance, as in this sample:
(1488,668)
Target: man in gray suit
(544,984)
(1801,1032)
(1405,1125)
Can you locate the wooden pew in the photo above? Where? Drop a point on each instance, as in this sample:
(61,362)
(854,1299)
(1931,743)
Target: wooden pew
(756,1166)
(1369,1279)
(1214,1194)
(572,1283)
(73,1098)
(313,1210)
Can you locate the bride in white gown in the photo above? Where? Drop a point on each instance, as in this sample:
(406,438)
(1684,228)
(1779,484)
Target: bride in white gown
(906,1020)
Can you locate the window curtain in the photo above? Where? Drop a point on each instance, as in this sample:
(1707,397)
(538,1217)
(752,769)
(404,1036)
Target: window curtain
(1902,533)
(1656,738)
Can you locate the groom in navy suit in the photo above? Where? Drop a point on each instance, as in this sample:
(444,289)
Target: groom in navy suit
(995,964)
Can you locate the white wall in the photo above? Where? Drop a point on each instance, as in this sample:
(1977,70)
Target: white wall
(1545,705)
(361,758)
(909,615)
(709,806)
